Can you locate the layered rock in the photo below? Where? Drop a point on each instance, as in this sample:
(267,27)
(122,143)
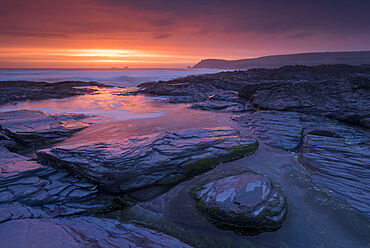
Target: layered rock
(13,164)
(15,91)
(157,159)
(247,201)
(278,129)
(344,99)
(339,156)
(81,232)
(46,193)
(192,85)
(36,128)
(337,153)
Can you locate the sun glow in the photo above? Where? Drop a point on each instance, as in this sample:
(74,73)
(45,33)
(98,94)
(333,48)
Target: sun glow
(112,53)
(90,57)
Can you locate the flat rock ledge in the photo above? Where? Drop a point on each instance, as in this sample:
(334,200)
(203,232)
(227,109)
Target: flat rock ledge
(164,158)
(247,203)
(14,164)
(36,128)
(81,232)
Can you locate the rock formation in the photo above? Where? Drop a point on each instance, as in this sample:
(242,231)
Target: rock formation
(158,159)
(246,201)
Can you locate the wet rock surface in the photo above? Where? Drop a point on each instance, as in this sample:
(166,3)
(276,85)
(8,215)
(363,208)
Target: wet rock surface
(157,159)
(36,128)
(279,129)
(81,232)
(247,202)
(337,153)
(29,189)
(13,163)
(46,193)
(340,158)
(314,219)
(32,195)
(16,91)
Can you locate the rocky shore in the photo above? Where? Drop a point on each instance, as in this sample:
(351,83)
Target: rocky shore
(17,91)
(320,112)
(290,167)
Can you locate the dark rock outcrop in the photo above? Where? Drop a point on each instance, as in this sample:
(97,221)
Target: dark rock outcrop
(219,106)
(336,152)
(16,91)
(207,84)
(210,84)
(247,201)
(344,99)
(336,91)
(36,128)
(81,232)
(157,159)
(188,99)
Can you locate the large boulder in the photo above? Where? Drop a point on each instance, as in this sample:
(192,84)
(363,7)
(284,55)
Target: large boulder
(81,232)
(247,201)
(345,99)
(157,159)
(36,128)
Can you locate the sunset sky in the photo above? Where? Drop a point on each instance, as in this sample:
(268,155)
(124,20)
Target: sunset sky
(173,33)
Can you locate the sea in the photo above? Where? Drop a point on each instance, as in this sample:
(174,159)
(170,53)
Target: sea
(115,77)
(111,106)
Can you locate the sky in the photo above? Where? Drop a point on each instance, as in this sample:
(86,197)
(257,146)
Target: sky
(173,33)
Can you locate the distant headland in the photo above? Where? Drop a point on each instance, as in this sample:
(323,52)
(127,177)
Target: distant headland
(310,59)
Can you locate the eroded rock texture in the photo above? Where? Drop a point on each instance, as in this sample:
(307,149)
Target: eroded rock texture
(337,153)
(243,201)
(36,128)
(278,129)
(157,159)
(81,232)
(345,99)
(44,193)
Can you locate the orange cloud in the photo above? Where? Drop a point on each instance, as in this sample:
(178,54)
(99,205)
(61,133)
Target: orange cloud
(177,33)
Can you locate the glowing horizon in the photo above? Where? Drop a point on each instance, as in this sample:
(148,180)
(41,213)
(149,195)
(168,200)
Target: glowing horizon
(160,33)
(103,58)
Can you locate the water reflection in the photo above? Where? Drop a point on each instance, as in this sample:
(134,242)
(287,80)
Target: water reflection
(124,115)
(106,102)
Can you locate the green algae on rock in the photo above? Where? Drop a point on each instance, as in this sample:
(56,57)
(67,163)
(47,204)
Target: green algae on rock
(121,165)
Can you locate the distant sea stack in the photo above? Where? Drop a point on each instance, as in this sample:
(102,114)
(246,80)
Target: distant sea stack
(349,58)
